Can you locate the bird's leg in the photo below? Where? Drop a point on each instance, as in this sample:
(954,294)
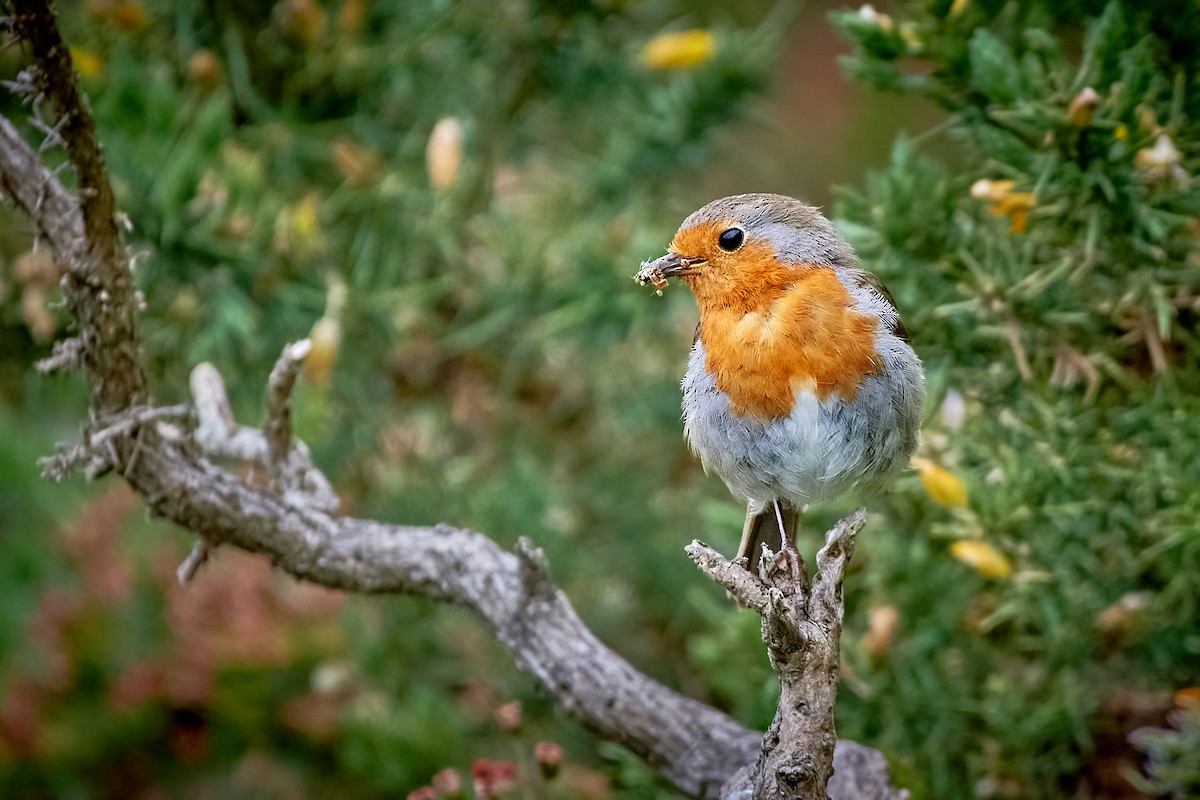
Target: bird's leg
(783,542)
(788,558)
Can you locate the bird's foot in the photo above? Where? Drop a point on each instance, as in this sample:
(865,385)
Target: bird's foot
(785,569)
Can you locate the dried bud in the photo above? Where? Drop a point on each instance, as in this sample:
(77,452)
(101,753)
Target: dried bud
(867,13)
(1161,160)
(37,268)
(326,338)
(326,335)
(303,19)
(350,18)
(492,777)
(356,165)
(1117,621)
(882,622)
(447,783)
(549,758)
(954,410)
(443,153)
(335,678)
(239,225)
(40,322)
(987,189)
(1079,113)
(508,716)
(206,70)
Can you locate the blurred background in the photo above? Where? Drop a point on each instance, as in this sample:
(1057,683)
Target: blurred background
(450,199)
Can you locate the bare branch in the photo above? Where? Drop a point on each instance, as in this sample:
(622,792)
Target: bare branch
(278,427)
(219,436)
(745,587)
(802,626)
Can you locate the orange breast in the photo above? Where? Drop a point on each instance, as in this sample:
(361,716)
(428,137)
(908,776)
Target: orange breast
(786,330)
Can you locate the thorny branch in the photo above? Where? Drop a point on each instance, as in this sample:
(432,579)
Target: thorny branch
(82,230)
(294,521)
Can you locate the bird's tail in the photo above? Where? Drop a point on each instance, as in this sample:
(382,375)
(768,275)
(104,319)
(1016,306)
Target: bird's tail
(762,527)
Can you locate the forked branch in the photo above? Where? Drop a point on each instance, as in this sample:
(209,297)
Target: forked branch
(802,627)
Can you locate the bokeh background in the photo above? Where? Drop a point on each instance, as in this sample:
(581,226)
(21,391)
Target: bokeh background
(450,198)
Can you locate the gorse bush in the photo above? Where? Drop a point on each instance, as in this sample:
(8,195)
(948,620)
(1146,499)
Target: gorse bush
(1044,243)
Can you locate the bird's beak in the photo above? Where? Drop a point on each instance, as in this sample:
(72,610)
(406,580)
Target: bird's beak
(672,265)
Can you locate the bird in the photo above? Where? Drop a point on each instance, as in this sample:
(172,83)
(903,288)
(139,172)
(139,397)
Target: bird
(801,383)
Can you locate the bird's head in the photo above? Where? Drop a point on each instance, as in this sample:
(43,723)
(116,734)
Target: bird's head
(736,249)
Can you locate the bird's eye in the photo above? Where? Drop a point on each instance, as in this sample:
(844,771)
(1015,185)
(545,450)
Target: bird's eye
(731,239)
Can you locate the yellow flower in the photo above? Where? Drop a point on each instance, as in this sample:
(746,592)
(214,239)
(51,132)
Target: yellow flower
(679,50)
(305,217)
(87,63)
(1005,202)
(943,486)
(983,557)
(297,227)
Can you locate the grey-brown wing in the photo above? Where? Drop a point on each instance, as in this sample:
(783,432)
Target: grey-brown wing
(869,281)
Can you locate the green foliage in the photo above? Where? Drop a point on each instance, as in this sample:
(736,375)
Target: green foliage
(1063,307)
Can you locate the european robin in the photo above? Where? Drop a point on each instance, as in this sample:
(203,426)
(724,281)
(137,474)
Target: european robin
(801,382)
